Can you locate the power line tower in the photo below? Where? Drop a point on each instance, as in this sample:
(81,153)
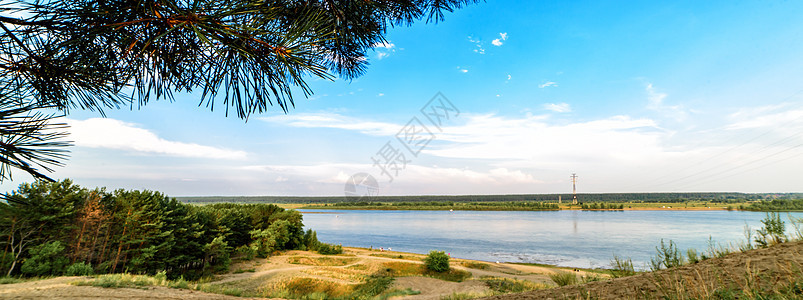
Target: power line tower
(574,188)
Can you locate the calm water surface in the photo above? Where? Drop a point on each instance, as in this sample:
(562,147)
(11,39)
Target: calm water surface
(565,238)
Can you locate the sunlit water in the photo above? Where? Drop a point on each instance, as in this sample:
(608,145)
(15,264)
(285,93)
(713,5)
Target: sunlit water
(565,238)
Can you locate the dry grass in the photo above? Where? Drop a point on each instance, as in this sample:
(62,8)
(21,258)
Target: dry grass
(338,273)
(320,260)
(401,269)
(307,287)
(398,256)
(475,265)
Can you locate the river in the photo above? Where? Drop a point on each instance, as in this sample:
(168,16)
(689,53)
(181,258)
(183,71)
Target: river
(571,238)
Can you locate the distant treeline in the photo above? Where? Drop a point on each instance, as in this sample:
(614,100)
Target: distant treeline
(61,228)
(607,197)
(775,205)
(435,205)
(609,206)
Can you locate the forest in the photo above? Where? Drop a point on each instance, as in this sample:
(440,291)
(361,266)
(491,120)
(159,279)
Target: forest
(583,197)
(775,205)
(60,228)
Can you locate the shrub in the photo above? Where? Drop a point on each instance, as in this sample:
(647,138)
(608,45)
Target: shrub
(621,267)
(328,249)
(692,255)
(79,269)
(772,232)
(667,256)
(437,261)
(46,259)
(245,252)
(563,278)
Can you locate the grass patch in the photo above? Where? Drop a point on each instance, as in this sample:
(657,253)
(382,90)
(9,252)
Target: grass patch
(252,270)
(402,269)
(398,256)
(338,273)
(454,275)
(11,280)
(563,278)
(501,285)
(359,267)
(311,287)
(396,293)
(136,281)
(476,265)
(320,261)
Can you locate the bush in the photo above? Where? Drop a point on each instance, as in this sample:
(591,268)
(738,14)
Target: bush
(621,267)
(772,232)
(46,259)
(437,261)
(563,278)
(329,249)
(79,269)
(667,256)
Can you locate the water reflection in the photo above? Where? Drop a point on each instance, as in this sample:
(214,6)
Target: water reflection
(567,238)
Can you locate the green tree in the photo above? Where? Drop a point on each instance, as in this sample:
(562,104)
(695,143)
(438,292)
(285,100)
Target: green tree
(437,261)
(89,54)
(46,259)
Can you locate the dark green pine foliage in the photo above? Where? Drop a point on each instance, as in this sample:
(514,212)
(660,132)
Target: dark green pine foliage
(55,228)
(241,55)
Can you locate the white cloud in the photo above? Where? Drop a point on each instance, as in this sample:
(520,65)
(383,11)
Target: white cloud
(384,49)
(332,120)
(784,116)
(380,94)
(498,42)
(115,134)
(547,84)
(558,107)
(464,70)
(509,77)
(534,142)
(655,102)
(478,44)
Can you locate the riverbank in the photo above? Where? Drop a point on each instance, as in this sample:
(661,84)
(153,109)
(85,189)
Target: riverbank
(523,206)
(757,273)
(298,274)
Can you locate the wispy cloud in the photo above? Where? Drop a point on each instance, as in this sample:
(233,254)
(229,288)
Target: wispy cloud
(784,116)
(384,49)
(502,37)
(655,102)
(558,107)
(535,142)
(115,134)
(478,45)
(547,84)
(332,120)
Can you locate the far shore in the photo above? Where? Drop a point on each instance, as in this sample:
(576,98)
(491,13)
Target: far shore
(446,208)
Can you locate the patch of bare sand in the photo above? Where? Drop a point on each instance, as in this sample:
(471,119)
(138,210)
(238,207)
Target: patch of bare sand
(60,288)
(432,288)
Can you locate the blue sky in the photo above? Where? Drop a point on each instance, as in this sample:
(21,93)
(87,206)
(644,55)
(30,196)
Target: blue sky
(633,97)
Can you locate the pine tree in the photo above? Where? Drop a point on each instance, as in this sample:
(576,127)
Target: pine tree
(246,55)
